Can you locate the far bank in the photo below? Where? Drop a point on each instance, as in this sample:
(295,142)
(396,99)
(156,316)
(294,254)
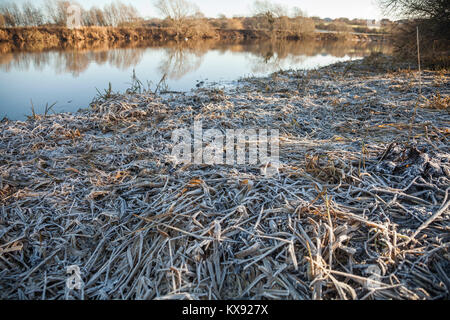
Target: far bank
(51,37)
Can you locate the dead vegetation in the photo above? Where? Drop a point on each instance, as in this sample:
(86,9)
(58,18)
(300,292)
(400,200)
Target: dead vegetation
(358,210)
(438,102)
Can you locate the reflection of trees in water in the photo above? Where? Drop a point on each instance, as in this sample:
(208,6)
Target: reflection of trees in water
(71,62)
(74,62)
(312,48)
(180,61)
(23,61)
(120,58)
(182,58)
(271,56)
(272,63)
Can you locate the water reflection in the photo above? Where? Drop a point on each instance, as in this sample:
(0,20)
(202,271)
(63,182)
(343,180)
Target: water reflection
(180,59)
(73,62)
(70,77)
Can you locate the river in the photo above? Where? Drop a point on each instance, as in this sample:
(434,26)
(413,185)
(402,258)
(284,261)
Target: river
(68,80)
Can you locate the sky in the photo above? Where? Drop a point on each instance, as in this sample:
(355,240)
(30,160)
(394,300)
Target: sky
(365,9)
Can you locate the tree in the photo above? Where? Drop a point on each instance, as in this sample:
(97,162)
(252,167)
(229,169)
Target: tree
(436,12)
(270,12)
(7,17)
(178,13)
(427,9)
(298,13)
(111,14)
(32,15)
(94,17)
(56,11)
(127,13)
(265,7)
(432,17)
(273,16)
(12,14)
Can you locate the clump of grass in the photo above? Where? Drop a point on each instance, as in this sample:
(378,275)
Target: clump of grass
(108,93)
(162,85)
(323,168)
(136,85)
(47,110)
(437,101)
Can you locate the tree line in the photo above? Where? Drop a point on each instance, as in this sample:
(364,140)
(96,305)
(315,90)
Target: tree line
(181,15)
(55,12)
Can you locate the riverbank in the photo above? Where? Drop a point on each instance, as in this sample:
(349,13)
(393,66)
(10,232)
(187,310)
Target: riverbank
(358,208)
(41,38)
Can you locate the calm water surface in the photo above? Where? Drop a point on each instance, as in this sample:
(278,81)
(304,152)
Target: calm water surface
(70,78)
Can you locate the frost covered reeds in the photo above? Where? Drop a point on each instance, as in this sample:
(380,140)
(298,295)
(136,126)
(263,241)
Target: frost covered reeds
(357,211)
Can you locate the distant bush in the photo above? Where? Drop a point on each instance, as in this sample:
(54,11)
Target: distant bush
(336,26)
(369,30)
(234,24)
(302,25)
(340,26)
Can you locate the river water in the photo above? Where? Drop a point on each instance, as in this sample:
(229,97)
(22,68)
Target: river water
(69,79)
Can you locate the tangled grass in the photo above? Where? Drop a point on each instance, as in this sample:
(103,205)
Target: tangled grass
(358,209)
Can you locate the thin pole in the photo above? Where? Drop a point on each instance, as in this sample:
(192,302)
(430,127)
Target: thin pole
(418,62)
(413,118)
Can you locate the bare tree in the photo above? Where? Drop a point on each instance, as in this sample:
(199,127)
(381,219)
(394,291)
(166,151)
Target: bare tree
(12,14)
(265,6)
(127,13)
(56,11)
(111,13)
(273,16)
(8,20)
(297,13)
(426,9)
(94,17)
(99,17)
(32,15)
(178,13)
(272,13)
(437,12)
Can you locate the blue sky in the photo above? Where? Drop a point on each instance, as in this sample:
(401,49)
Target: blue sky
(366,9)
